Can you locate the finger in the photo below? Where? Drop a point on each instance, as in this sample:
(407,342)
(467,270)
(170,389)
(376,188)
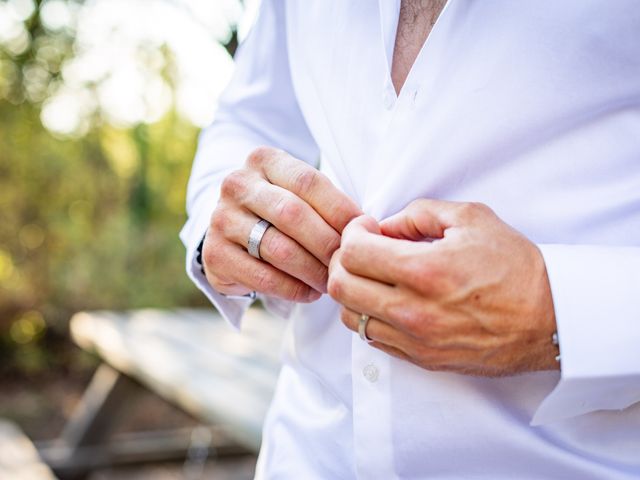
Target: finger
(279,250)
(386,338)
(287,255)
(400,307)
(415,310)
(394,342)
(225,287)
(295,218)
(212,272)
(233,263)
(365,223)
(427,218)
(390,260)
(357,293)
(306,182)
(377,330)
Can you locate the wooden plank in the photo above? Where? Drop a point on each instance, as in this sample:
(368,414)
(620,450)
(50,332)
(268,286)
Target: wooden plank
(193,359)
(19,459)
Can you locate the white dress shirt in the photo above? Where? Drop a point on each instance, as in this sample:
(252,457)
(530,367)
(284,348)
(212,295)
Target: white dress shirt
(532,107)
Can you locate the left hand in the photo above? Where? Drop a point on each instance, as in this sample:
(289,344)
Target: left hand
(474,299)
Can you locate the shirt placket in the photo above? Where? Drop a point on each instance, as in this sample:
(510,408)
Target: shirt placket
(372,412)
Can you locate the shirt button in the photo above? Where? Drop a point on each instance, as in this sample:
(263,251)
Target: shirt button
(371,373)
(388,99)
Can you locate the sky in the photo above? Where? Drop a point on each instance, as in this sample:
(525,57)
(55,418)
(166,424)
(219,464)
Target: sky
(120,67)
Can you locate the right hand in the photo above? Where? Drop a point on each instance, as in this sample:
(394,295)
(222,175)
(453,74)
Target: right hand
(307,213)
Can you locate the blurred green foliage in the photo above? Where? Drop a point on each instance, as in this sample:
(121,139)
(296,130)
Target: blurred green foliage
(85,223)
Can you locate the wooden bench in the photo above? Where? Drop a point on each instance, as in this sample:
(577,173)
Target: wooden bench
(19,459)
(191,358)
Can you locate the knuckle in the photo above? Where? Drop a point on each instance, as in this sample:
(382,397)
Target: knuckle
(335,286)
(279,249)
(348,251)
(233,184)
(305,179)
(331,246)
(288,210)
(394,309)
(259,156)
(219,221)
(211,255)
(298,292)
(264,281)
(419,322)
(322,275)
(343,213)
(472,210)
(417,206)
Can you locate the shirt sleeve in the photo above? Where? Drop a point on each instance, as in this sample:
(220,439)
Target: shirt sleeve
(258,107)
(596,295)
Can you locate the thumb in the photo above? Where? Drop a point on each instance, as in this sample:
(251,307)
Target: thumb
(422,219)
(361,224)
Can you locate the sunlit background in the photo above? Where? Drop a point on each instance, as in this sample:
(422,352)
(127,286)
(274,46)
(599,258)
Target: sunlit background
(100,105)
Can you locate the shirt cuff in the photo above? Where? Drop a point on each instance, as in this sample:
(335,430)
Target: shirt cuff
(596,295)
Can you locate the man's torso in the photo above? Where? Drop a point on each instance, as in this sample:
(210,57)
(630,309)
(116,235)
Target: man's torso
(531,107)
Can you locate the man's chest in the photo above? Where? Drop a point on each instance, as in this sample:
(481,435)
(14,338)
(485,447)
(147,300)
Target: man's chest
(415,21)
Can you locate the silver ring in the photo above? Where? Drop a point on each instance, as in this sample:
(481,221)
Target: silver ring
(362,327)
(255,237)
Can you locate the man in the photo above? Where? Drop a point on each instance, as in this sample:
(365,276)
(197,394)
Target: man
(496,155)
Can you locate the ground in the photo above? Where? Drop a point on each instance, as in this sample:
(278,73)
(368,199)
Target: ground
(41,406)
(238,469)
